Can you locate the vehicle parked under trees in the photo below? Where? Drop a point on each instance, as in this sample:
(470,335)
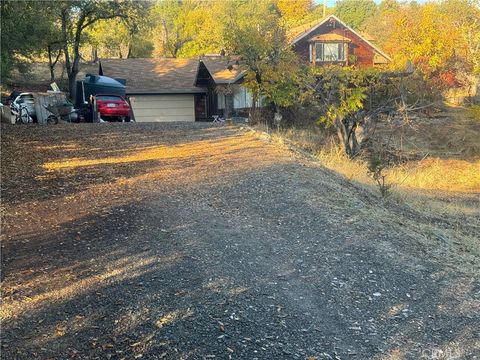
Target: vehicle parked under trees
(111,108)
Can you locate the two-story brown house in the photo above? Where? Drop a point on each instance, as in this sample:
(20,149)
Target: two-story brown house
(331,41)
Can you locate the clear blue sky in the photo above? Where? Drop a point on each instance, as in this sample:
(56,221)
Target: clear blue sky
(331,3)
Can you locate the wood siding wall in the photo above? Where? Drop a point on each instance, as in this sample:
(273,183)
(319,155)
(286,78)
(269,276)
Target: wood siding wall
(359,48)
(205,80)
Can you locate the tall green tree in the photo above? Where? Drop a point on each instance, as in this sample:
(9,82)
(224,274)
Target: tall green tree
(206,22)
(355,12)
(190,27)
(75,17)
(108,38)
(388,6)
(124,37)
(173,28)
(273,70)
(51,44)
(26,28)
(294,11)
(381,25)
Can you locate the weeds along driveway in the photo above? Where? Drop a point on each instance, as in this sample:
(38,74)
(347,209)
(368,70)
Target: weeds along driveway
(189,241)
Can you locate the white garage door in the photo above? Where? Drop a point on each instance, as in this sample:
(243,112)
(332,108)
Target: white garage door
(160,108)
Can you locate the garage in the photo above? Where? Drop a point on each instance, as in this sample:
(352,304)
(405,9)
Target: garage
(160,90)
(163,108)
(171,89)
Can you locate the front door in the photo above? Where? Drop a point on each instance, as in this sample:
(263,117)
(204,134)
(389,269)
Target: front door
(200,107)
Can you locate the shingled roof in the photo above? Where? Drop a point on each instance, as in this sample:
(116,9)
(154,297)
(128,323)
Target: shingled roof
(223,70)
(154,76)
(297,31)
(170,75)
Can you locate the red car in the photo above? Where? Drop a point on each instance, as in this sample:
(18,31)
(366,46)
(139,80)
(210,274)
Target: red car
(112,108)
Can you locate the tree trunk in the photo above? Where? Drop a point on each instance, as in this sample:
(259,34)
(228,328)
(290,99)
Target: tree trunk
(228,105)
(253,110)
(72,74)
(346,132)
(72,66)
(354,144)
(68,65)
(129,53)
(95,53)
(51,66)
(51,62)
(277,118)
(342,136)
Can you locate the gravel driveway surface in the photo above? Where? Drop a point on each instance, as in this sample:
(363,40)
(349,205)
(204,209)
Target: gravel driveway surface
(190,241)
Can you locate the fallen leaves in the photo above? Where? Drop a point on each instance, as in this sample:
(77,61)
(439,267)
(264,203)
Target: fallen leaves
(173,316)
(60,330)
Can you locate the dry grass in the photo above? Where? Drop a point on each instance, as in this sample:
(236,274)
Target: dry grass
(441,158)
(428,174)
(442,195)
(474,112)
(438,174)
(439,197)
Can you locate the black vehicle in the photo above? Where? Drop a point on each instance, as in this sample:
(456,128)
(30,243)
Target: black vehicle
(92,85)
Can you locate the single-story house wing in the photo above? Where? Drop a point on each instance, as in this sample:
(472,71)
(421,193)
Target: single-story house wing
(171,89)
(158,89)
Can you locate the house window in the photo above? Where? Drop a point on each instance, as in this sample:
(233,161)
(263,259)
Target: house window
(242,98)
(329,52)
(221,101)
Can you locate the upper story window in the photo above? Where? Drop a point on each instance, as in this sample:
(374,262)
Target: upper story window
(329,47)
(329,52)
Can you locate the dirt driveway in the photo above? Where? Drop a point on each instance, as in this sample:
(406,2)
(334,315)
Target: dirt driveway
(188,241)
